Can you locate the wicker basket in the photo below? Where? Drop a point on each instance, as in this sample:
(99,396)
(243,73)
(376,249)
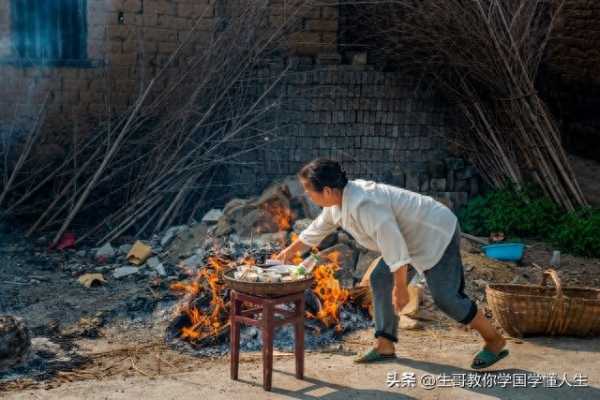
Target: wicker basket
(526,310)
(264,289)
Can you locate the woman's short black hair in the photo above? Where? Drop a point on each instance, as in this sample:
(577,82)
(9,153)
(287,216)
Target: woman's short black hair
(324,172)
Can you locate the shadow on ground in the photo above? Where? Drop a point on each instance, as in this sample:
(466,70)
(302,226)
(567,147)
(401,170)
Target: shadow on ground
(318,389)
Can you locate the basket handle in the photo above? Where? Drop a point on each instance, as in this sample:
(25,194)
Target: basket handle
(557,282)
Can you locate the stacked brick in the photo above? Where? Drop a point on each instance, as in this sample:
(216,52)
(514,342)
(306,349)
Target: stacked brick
(380,125)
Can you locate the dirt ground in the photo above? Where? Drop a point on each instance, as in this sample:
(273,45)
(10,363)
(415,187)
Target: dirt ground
(152,372)
(126,356)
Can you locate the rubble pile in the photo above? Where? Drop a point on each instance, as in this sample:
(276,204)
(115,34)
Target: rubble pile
(243,236)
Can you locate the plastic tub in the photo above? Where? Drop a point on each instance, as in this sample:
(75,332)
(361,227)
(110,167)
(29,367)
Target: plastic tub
(505,251)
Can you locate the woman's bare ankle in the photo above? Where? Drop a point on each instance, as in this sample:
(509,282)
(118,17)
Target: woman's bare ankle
(385,346)
(495,345)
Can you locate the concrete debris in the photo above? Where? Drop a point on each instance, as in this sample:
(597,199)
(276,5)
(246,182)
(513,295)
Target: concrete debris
(187,242)
(105,253)
(171,233)
(270,239)
(212,216)
(125,249)
(160,269)
(156,267)
(153,262)
(255,221)
(192,262)
(45,346)
(200,252)
(122,272)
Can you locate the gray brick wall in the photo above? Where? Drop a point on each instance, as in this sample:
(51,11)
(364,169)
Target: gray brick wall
(379,125)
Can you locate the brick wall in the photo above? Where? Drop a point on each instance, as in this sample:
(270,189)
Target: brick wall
(379,125)
(128,40)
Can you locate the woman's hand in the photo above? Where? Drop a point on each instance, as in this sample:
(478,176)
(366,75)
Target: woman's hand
(285,256)
(400,297)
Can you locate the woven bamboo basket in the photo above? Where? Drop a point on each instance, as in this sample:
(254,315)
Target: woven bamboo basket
(528,310)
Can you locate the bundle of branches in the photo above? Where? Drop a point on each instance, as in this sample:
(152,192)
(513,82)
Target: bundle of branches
(484,56)
(158,160)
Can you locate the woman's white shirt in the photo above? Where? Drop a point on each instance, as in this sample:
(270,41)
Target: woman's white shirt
(404,226)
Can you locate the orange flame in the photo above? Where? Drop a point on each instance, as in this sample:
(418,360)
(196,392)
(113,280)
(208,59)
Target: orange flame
(248,261)
(282,216)
(193,288)
(329,291)
(203,325)
(211,321)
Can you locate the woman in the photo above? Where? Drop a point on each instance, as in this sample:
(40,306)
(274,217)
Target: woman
(406,228)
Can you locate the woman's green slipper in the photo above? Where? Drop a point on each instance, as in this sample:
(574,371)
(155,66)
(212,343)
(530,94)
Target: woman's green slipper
(372,356)
(485,358)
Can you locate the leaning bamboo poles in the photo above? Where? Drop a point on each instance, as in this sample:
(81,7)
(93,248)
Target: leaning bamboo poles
(484,56)
(201,112)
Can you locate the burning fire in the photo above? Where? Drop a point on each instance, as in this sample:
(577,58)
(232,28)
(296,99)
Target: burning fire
(204,324)
(297,257)
(248,261)
(282,216)
(329,291)
(211,320)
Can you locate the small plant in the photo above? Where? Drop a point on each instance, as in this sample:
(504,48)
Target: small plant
(528,213)
(579,233)
(522,213)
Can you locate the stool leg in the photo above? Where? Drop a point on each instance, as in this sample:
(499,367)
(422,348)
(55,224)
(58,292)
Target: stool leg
(299,340)
(234,345)
(267,350)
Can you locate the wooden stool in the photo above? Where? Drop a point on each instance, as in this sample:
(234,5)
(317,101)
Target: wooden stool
(267,324)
